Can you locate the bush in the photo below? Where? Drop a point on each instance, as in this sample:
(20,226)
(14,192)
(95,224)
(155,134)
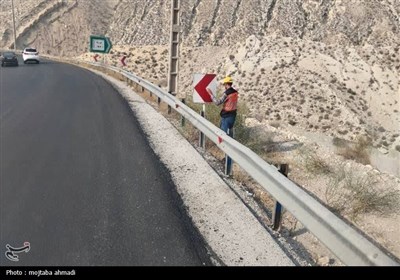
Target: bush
(339,142)
(313,163)
(353,194)
(358,151)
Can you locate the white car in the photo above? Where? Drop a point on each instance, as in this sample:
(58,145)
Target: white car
(30,54)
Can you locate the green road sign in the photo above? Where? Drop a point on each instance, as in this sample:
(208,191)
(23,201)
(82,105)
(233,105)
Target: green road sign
(100,44)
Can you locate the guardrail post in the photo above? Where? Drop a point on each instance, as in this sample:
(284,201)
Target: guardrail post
(278,209)
(228,160)
(183,120)
(158,98)
(202,137)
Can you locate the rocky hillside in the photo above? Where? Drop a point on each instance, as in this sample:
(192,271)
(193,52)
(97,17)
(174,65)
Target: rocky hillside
(329,66)
(208,22)
(223,22)
(57,27)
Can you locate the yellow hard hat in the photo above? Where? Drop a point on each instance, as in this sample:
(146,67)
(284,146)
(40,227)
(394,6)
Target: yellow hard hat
(227,80)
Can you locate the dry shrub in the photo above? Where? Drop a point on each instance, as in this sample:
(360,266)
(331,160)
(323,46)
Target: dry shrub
(313,164)
(352,194)
(339,142)
(358,151)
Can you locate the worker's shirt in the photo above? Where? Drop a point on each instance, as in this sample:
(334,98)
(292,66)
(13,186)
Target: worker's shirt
(225,99)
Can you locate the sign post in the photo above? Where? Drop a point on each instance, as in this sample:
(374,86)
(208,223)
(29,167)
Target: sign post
(200,95)
(202,137)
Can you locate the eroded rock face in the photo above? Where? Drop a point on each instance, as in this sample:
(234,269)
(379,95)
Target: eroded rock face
(213,22)
(219,22)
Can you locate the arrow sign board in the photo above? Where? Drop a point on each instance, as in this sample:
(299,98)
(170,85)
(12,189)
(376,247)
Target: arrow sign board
(200,83)
(123,61)
(100,44)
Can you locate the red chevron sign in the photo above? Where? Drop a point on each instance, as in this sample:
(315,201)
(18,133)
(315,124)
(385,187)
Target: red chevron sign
(201,82)
(123,60)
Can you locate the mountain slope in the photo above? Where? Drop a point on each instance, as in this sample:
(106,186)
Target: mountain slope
(330,66)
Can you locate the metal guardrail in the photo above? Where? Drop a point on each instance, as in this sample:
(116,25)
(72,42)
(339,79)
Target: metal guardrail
(341,239)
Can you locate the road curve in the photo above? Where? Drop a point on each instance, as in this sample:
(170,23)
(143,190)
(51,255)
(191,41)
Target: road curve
(78,179)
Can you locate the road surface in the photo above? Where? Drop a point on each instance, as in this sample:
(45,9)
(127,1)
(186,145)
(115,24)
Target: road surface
(79,181)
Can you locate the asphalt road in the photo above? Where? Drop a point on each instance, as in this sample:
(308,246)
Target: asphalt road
(79,181)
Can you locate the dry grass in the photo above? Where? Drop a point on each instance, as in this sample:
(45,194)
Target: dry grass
(312,163)
(215,151)
(354,194)
(358,151)
(259,193)
(241,176)
(190,133)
